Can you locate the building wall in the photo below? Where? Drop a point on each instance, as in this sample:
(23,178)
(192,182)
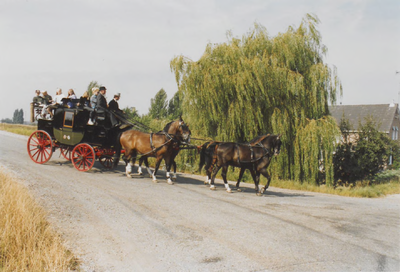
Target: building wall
(394,132)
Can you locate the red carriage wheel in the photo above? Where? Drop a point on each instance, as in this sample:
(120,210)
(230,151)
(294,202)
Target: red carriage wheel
(106,158)
(66,152)
(83,157)
(40,146)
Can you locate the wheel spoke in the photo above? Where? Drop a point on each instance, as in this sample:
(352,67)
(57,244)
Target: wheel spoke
(83,157)
(40,146)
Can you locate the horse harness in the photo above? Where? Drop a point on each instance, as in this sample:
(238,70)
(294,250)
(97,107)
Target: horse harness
(252,160)
(155,149)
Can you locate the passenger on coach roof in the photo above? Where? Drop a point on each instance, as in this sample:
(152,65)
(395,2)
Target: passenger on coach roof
(47,100)
(93,104)
(101,100)
(57,102)
(37,99)
(71,97)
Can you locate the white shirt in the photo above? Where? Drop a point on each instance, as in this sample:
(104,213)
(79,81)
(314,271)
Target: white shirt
(58,98)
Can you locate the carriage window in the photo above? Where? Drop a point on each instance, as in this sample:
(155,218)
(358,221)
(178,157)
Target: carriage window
(68,119)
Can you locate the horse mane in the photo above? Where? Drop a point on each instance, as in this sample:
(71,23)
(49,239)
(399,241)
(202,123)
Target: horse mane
(167,126)
(259,139)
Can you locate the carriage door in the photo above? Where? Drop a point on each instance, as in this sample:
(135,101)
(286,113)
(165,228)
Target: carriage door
(68,119)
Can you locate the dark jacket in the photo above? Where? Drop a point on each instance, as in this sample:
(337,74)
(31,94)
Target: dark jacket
(47,99)
(113,106)
(101,101)
(38,99)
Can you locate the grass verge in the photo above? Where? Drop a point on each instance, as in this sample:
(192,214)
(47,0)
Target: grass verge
(359,190)
(27,241)
(18,129)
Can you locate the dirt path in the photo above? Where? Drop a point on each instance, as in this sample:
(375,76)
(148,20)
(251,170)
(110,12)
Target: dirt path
(113,223)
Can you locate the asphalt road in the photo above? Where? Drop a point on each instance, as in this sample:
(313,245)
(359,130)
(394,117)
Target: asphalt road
(113,223)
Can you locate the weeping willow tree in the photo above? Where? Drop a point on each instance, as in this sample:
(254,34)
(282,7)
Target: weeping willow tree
(259,84)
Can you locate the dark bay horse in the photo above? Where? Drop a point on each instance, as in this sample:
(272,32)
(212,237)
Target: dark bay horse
(207,151)
(158,145)
(256,158)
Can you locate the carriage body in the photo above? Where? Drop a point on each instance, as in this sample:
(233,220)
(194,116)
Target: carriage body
(78,142)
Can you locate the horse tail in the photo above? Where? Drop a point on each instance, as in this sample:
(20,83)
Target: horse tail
(202,151)
(118,148)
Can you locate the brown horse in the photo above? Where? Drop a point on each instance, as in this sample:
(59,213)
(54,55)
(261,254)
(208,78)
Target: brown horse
(175,150)
(158,145)
(207,151)
(255,158)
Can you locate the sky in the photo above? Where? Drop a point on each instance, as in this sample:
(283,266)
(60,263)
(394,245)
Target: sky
(127,45)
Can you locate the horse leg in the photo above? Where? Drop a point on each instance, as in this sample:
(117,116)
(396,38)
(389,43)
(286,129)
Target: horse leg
(131,164)
(158,162)
(168,168)
(128,168)
(146,163)
(224,171)
(214,173)
(240,178)
(256,178)
(209,168)
(265,173)
(174,174)
(143,158)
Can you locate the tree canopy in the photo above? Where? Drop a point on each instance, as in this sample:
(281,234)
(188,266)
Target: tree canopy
(18,117)
(158,105)
(260,84)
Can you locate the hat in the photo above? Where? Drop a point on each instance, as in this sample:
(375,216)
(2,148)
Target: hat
(102,88)
(117,94)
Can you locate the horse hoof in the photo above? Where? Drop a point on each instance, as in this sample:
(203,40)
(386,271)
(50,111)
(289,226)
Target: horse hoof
(170,182)
(259,194)
(239,190)
(128,175)
(155,181)
(229,191)
(213,188)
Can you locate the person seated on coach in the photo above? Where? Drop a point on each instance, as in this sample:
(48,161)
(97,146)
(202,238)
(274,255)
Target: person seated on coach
(57,102)
(102,105)
(84,100)
(71,96)
(114,107)
(36,105)
(93,104)
(47,100)
(37,99)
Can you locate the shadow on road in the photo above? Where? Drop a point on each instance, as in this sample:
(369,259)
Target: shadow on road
(246,188)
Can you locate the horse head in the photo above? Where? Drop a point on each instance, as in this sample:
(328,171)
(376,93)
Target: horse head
(180,129)
(277,144)
(270,142)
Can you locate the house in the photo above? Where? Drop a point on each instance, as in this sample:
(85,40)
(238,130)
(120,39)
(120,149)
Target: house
(387,116)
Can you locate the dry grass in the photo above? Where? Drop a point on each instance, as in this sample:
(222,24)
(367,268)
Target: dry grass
(27,241)
(18,129)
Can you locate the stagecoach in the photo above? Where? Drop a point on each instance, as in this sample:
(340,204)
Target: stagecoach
(77,141)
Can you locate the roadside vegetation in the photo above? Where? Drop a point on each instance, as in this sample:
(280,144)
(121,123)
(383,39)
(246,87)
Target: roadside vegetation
(18,129)
(27,241)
